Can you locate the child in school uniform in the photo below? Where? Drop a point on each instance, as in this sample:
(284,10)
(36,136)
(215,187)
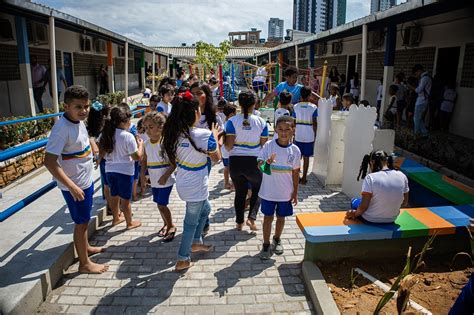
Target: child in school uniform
(306,115)
(220,109)
(166,93)
(347,101)
(280,160)
(188,148)
(284,108)
(160,170)
(229,110)
(69,159)
(121,149)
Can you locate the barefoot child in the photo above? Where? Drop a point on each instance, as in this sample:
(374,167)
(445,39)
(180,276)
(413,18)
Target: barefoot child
(161,172)
(229,110)
(280,160)
(69,159)
(188,148)
(306,115)
(121,149)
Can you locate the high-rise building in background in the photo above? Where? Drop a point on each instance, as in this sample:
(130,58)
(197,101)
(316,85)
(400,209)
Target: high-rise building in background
(381,5)
(318,15)
(275,29)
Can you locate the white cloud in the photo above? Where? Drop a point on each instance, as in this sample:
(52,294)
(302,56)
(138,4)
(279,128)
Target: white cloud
(172,22)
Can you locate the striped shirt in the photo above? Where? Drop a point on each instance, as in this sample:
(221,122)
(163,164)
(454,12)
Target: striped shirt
(248,133)
(305,113)
(156,165)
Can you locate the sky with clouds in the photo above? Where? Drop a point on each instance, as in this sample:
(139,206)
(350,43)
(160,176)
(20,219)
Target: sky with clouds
(172,22)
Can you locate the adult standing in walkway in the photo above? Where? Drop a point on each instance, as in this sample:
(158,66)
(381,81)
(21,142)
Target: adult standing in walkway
(245,136)
(38,73)
(423,91)
(61,79)
(103,80)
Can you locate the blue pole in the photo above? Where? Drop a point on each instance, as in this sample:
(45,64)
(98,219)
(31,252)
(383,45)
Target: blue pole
(17,121)
(233,81)
(21,149)
(26,201)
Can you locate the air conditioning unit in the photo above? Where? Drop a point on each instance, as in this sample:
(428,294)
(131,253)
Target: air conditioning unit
(37,33)
(6,32)
(86,43)
(100,46)
(121,51)
(337,48)
(376,39)
(321,49)
(412,36)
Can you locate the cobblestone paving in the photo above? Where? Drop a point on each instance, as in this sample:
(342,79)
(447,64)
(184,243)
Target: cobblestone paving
(231,279)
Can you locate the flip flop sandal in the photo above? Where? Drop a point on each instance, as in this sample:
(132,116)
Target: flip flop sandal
(161,233)
(169,237)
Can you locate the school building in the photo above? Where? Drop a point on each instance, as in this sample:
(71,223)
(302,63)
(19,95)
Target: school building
(436,34)
(79,48)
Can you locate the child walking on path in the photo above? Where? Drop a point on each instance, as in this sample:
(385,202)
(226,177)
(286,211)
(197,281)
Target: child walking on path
(160,170)
(306,115)
(229,110)
(245,136)
(188,147)
(281,170)
(121,149)
(69,159)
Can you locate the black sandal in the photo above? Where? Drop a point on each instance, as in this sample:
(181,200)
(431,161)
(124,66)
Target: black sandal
(170,236)
(161,233)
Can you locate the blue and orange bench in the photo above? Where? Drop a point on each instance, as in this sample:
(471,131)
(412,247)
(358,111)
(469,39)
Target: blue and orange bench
(429,188)
(330,236)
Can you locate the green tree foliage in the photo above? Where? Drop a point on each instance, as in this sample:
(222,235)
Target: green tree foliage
(210,55)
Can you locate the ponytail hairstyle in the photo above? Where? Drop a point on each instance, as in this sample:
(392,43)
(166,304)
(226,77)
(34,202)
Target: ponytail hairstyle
(246,101)
(378,158)
(119,114)
(209,108)
(178,124)
(96,118)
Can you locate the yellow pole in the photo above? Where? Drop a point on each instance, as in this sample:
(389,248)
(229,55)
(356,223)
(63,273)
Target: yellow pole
(323,79)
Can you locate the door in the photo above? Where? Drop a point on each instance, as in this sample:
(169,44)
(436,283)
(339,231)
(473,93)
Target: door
(67,57)
(447,64)
(351,69)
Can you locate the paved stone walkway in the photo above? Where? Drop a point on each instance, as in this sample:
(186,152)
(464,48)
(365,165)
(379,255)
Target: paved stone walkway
(231,279)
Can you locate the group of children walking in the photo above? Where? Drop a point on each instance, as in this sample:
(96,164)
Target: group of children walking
(177,143)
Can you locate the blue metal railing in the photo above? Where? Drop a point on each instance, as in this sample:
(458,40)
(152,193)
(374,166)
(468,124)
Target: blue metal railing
(21,120)
(28,147)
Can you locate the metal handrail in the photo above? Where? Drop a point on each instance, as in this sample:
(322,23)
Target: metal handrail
(24,148)
(21,120)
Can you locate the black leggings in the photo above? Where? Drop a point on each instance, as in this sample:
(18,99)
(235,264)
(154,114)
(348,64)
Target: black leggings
(244,170)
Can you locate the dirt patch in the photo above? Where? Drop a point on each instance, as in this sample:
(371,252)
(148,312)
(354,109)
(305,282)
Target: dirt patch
(437,289)
(21,167)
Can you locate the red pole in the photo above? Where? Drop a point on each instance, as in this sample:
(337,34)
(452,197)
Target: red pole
(221,81)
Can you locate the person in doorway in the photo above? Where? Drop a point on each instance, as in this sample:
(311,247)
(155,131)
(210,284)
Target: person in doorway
(103,80)
(38,73)
(60,79)
(447,105)
(384,190)
(355,87)
(423,91)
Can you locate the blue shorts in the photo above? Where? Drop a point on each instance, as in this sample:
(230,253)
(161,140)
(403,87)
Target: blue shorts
(259,86)
(136,174)
(120,185)
(102,173)
(283,208)
(162,195)
(306,148)
(80,211)
(226,162)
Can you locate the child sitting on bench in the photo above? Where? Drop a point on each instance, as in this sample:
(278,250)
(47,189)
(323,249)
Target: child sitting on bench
(384,190)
